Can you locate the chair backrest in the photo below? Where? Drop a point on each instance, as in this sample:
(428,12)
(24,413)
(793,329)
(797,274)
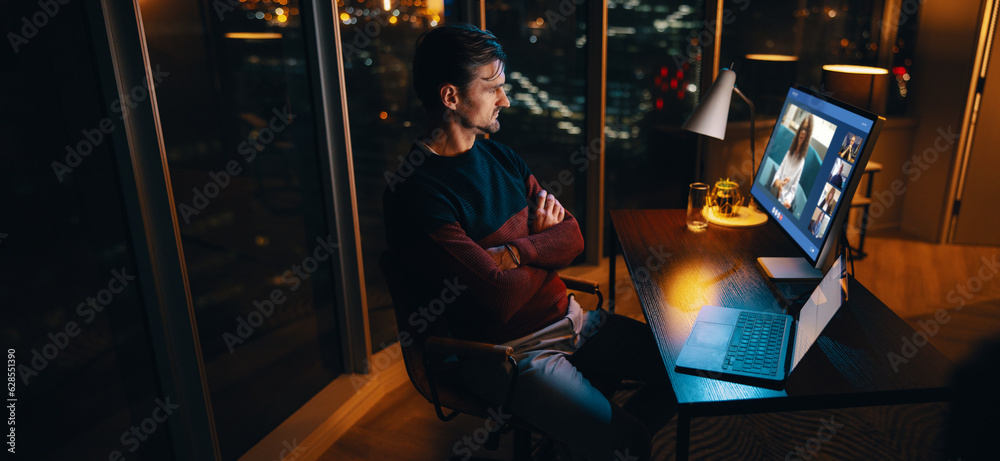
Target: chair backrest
(405,291)
(411,286)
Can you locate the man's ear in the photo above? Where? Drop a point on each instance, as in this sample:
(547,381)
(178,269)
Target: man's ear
(449,96)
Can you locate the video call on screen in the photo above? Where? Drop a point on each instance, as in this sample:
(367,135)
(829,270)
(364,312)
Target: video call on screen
(805,180)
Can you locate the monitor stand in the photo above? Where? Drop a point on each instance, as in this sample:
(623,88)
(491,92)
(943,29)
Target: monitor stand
(790,269)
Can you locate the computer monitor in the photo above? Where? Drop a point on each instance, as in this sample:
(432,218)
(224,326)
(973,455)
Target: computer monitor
(810,170)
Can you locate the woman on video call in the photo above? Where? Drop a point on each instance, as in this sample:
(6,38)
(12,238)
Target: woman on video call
(786,180)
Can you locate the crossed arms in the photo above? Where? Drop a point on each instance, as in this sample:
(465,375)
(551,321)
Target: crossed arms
(543,240)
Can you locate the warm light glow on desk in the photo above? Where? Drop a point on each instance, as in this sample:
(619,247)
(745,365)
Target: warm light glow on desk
(692,288)
(848,69)
(253,35)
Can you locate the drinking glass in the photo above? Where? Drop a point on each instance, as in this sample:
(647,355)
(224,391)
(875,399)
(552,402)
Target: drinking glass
(697,195)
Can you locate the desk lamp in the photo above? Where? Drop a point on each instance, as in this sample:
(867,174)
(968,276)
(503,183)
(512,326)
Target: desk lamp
(710,119)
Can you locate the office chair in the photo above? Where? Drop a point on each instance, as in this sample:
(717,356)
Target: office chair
(426,351)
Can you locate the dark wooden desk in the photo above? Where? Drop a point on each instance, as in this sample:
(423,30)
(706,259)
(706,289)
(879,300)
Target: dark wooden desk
(676,271)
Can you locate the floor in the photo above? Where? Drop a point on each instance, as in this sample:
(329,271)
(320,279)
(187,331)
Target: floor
(913,278)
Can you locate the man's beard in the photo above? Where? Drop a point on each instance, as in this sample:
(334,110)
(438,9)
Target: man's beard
(492,128)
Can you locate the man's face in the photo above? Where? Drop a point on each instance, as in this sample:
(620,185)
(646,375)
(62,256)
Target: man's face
(479,105)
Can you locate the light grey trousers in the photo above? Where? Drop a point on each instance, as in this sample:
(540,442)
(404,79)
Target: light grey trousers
(554,390)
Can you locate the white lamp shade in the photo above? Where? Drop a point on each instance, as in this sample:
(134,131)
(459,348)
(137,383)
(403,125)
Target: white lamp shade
(711,115)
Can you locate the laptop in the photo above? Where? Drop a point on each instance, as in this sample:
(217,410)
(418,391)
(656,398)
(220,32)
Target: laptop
(760,347)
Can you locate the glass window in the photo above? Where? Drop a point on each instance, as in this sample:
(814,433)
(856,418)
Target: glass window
(239,119)
(654,73)
(903,54)
(546,75)
(817,33)
(385,115)
(74,321)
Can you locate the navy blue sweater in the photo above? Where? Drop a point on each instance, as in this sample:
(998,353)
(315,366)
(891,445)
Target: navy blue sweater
(454,208)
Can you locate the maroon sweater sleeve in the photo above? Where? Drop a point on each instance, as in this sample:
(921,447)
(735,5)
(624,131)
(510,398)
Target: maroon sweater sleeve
(554,247)
(498,293)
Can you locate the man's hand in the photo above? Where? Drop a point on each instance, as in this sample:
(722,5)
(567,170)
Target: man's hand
(502,257)
(548,213)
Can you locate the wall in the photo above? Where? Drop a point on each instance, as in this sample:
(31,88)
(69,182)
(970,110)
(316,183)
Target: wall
(946,45)
(978,222)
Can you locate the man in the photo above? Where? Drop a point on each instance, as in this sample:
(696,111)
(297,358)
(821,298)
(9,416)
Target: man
(476,212)
(850,151)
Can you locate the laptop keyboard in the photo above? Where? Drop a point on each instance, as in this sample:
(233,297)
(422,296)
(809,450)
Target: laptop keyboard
(756,344)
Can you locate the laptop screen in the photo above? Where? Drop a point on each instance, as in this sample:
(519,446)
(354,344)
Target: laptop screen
(820,309)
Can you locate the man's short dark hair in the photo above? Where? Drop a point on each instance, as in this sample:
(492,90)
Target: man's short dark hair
(452,54)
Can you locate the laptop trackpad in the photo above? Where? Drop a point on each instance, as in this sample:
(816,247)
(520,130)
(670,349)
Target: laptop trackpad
(710,335)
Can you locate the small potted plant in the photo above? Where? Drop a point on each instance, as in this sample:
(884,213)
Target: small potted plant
(725,198)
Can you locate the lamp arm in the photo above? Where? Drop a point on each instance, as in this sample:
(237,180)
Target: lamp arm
(753,134)
(753,139)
